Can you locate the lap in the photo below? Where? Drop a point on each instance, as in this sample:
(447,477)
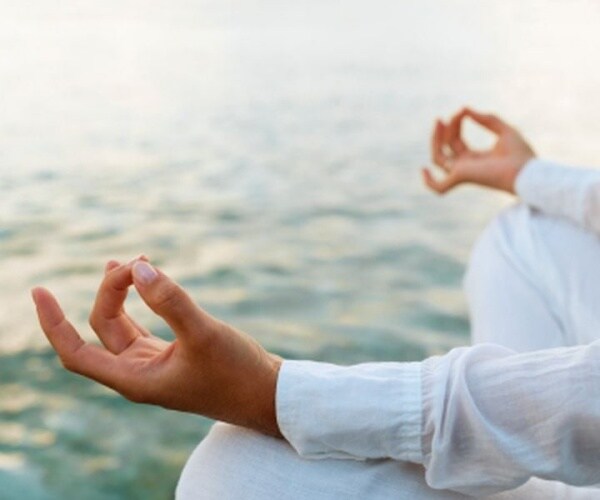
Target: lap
(233,463)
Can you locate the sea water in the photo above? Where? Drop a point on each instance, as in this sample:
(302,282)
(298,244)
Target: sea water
(266,155)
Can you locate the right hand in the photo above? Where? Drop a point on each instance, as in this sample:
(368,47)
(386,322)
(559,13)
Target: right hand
(496,167)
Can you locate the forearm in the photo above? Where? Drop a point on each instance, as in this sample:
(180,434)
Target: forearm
(494,418)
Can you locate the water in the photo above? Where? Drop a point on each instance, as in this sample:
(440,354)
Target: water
(265,154)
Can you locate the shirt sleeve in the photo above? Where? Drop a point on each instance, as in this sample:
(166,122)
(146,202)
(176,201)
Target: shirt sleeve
(481,419)
(572,193)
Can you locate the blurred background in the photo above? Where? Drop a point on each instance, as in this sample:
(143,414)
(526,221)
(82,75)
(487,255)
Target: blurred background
(266,154)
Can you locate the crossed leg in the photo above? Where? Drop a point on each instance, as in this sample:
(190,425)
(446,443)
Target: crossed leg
(233,463)
(532,283)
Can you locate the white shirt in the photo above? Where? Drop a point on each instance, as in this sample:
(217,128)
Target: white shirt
(481,419)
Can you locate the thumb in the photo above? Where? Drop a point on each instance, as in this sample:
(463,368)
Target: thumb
(167,299)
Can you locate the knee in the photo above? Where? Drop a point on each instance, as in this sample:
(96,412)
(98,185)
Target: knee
(486,252)
(227,460)
(497,246)
(210,463)
(233,463)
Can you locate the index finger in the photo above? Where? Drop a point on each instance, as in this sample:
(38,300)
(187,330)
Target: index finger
(437,152)
(113,292)
(489,121)
(452,136)
(108,318)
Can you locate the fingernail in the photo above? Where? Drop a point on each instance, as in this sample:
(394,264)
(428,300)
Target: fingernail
(136,259)
(144,272)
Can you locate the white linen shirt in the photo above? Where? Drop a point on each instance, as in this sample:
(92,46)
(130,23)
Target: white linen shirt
(480,419)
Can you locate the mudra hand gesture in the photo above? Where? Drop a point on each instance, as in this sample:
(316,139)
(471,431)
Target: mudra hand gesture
(210,368)
(497,167)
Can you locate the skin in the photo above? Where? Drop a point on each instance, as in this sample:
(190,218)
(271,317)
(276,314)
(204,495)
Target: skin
(210,368)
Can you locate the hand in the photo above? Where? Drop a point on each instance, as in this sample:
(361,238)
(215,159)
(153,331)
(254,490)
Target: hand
(210,368)
(497,167)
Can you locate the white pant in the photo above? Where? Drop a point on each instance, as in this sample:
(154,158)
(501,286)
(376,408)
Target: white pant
(532,283)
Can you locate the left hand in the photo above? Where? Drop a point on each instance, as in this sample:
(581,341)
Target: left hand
(496,167)
(210,368)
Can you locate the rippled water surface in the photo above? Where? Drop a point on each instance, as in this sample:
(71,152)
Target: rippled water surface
(266,154)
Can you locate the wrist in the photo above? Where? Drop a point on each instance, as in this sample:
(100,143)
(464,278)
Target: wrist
(272,426)
(265,419)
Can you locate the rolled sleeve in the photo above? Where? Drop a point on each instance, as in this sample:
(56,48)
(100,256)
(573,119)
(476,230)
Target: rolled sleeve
(371,410)
(558,190)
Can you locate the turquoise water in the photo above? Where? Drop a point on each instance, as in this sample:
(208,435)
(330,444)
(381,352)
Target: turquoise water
(266,154)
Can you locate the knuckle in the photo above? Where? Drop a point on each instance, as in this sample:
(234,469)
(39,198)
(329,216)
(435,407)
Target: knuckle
(212,331)
(68,363)
(168,298)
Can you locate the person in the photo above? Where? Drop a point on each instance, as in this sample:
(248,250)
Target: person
(514,416)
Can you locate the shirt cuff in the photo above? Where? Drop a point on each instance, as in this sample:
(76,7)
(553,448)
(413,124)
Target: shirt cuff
(371,410)
(556,189)
(535,176)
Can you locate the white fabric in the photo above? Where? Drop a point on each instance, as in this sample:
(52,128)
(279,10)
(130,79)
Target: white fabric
(367,400)
(489,417)
(233,463)
(533,282)
(573,193)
